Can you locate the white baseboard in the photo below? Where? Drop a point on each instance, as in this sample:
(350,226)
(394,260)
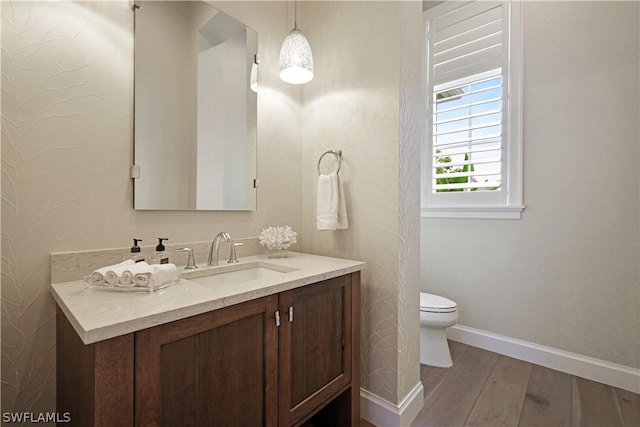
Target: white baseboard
(383,413)
(590,368)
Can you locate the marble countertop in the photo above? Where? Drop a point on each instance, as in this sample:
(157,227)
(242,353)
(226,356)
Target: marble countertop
(98,315)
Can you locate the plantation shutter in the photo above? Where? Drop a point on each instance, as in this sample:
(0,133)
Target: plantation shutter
(467,54)
(467,41)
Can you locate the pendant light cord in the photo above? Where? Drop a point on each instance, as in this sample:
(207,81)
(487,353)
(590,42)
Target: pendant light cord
(295,14)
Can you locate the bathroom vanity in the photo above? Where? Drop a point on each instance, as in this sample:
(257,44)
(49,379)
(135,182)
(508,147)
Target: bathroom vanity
(244,347)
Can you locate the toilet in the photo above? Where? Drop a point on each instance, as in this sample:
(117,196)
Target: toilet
(436,314)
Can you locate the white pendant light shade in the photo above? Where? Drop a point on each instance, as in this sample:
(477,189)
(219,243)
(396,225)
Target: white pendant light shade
(296,59)
(254,78)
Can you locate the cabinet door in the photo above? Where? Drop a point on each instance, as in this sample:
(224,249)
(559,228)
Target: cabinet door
(214,369)
(315,346)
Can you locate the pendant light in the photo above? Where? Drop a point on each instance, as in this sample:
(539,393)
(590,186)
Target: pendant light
(296,59)
(253,79)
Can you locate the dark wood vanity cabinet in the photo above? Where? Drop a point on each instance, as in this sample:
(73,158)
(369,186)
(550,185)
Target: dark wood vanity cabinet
(315,347)
(288,359)
(214,369)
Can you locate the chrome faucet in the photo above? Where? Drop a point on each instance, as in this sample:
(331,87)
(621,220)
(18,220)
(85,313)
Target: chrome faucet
(233,257)
(214,252)
(191,260)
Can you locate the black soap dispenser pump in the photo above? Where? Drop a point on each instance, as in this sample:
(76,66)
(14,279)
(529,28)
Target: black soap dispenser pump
(161,255)
(135,251)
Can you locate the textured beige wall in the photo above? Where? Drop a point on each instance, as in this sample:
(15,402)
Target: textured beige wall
(66,148)
(361,103)
(565,275)
(411,137)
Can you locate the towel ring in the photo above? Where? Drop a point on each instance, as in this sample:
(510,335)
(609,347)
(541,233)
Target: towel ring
(338,155)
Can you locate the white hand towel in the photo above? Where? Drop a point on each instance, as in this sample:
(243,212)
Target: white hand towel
(97,277)
(109,274)
(156,275)
(331,207)
(126,278)
(343,222)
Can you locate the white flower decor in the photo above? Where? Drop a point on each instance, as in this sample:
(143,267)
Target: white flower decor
(278,238)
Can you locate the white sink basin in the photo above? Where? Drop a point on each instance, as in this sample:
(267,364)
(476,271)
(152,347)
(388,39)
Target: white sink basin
(232,275)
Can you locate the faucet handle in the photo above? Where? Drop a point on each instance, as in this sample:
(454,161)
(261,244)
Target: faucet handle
(191,262)
(232,256)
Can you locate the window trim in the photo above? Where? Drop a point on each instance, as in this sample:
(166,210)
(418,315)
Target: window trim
(512,151)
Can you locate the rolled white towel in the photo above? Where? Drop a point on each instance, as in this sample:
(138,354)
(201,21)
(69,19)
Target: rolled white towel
(115,271)
(97,277)
(156,275)
(126,278)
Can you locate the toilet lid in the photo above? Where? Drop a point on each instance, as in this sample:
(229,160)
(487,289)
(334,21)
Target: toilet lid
(435,303)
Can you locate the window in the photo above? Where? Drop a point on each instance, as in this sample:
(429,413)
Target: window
(472,164)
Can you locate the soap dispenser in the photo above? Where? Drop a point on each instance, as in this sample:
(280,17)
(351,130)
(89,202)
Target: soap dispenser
(161,256)
(135,251)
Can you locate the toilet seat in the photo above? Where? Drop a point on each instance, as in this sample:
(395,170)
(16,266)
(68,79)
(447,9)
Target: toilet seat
(430,303)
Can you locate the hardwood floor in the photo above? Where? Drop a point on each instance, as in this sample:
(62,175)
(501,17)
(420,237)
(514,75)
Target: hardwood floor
(487,389)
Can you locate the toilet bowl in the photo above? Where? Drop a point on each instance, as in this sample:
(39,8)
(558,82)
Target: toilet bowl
(436,314)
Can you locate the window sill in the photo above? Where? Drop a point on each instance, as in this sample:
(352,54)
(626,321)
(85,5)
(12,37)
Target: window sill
(473,212)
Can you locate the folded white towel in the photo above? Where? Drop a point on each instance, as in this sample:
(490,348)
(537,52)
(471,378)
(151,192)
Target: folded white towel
(126,278)
(331,206)
(114,271)
(156,275)
(343,222)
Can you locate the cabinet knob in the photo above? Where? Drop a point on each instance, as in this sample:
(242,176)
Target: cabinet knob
(290,314)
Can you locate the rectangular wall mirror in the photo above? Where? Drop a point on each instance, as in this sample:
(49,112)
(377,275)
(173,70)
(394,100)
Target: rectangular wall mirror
(195,109)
